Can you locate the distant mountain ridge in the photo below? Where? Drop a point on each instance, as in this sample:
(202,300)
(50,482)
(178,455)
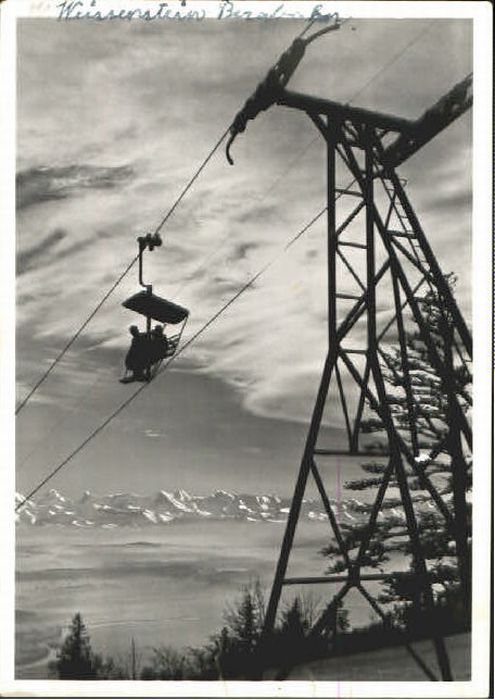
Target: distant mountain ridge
(123,509)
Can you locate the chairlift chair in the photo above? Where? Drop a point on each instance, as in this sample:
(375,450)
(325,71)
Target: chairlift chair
(150,347)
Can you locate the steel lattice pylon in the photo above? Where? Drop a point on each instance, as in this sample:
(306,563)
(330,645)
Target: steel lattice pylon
(405,250)
(396,261)
(408,264)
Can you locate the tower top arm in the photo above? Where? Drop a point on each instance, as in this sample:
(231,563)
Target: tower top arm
(412,134)
(448,108)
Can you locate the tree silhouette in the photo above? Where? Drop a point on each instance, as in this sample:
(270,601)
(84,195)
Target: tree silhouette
(75,660)
(430,437)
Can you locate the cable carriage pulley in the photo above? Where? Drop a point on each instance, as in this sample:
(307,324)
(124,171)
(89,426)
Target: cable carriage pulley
(150,347)
(268,91)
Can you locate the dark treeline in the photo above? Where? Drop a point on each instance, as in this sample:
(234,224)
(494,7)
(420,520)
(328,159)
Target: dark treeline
(237,651)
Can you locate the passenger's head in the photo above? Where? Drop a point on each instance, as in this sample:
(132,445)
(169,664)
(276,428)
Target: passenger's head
(158,330)
(134,331)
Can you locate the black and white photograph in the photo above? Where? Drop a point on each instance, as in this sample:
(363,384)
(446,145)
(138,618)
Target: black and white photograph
(246,354)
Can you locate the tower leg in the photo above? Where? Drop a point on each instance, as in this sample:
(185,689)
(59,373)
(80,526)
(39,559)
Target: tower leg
(394,446)
(308,455)
(295,508)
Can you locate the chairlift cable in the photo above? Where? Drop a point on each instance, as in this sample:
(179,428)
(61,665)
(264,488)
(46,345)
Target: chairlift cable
(78,449)
(160,226)
(245,287)
(189,342)
(74,337)
(191,182)
(192,275)
(351,99)
(393,59)
(160,369)
(58,424)
(131,264)
(307,146)
(119,279)
(306,29)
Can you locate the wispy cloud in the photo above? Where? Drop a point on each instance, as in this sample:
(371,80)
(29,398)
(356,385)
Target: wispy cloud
(31,255)
(121,120)
(42,184)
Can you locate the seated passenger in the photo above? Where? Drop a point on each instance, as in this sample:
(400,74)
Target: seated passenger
(160,342)
(136,359)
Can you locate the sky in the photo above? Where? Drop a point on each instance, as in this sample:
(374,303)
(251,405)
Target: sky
(112,120)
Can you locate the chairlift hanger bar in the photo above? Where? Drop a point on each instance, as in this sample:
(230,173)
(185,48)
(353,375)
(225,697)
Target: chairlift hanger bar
(412,134)
(150,242)
(145,302)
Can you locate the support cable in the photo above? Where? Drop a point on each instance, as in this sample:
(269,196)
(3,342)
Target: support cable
(159,228)
(131,264)
(191,182)
(313,221)
(162,223)
(179,352)
(392,60)
(351,99)
(75,336)
(202,264)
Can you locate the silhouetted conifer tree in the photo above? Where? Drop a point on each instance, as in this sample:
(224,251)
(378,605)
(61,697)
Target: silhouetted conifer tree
(75,660)
(432,417)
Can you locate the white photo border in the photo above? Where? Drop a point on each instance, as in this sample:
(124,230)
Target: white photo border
(482,294)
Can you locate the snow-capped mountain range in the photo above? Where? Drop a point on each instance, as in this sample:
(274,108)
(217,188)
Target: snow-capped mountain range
(131,509)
